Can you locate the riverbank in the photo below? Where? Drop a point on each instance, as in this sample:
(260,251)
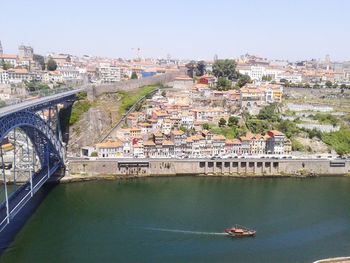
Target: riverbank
(81,169)
(109,177)
(334,260)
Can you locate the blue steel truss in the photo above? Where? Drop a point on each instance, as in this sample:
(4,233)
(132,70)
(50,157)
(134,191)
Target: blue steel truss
(39,132)
(47,144)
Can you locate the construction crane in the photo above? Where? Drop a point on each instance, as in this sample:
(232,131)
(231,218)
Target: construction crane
(137,53)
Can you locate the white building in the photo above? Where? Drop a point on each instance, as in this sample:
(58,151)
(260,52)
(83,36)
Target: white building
(258,72)
(17,75)
(110,149)
(10,59)
(187,121)
(293,78)
(109,73)
(69,72)
(3,77)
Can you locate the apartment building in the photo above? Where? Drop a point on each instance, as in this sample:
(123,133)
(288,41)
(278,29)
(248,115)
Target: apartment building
(275,142)
(109,73)
(17,75)
(110,149)
(10,59)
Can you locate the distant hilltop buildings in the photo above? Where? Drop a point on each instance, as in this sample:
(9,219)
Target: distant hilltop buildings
(26,69)
(308,71)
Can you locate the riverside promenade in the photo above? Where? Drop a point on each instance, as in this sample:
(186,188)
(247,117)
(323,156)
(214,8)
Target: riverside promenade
(218,167)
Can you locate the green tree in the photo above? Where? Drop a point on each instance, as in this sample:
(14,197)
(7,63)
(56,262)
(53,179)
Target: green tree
(183,128)
(328,84)
(2,103)
(266,78)
(51,64)
(205,126)
(232,121)
(191,68)
(223,84)
(201,68)
(93,154)
(134,75)
(289,128)
(222,122)
(297,146)
(6,65)
(40,60)
(257,126)
(242,80)
(283,81)
(225,69)
(339,141)
(343,86)
(269,113)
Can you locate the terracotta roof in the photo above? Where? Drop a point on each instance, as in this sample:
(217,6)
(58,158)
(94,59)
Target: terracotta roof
(144,124)
(236,141)
(158,134)
(8,56)
(18,70)
(189,139)
(149,143)
(259,136)
(168,143)
(275,133)
(183,78)
(113,144)
(228,141)
(177,132)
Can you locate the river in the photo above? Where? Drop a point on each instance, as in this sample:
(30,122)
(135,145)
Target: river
(181,220)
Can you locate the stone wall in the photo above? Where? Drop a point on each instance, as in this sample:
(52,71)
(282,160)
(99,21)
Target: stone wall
(239,167)
(95,91)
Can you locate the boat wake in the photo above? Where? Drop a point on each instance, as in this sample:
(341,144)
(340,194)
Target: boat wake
(186,231)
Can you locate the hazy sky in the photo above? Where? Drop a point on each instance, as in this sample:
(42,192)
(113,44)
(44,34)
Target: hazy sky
(294,29)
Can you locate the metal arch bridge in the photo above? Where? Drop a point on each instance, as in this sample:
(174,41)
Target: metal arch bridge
(45,135)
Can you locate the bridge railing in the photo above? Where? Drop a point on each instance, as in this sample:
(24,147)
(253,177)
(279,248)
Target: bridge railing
(23,194)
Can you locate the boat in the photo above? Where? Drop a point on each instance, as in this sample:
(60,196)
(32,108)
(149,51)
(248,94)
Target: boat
(240,231)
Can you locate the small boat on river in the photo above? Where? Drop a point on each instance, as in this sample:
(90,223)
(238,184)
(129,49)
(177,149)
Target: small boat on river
(240,231)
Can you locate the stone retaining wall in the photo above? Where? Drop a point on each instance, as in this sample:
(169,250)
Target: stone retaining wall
(239,167)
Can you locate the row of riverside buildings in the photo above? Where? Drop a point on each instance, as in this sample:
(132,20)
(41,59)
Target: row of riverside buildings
(203,144)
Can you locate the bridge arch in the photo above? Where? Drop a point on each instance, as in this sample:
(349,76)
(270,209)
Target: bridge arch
(39,132)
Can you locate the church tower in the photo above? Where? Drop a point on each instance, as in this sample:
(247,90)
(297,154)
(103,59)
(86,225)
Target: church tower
(1,51)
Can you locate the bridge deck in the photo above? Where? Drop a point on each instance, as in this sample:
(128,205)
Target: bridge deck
(37,103)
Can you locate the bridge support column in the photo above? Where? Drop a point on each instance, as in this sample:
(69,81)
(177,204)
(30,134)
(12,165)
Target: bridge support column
(5,186)
(14,159)
(58,125)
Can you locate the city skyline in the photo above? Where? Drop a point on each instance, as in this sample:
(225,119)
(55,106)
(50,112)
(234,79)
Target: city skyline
(184,30)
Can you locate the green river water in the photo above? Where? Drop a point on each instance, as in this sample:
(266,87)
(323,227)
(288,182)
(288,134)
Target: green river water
(182,219)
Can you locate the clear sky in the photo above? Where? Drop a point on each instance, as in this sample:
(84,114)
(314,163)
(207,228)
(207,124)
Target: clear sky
(294,29)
